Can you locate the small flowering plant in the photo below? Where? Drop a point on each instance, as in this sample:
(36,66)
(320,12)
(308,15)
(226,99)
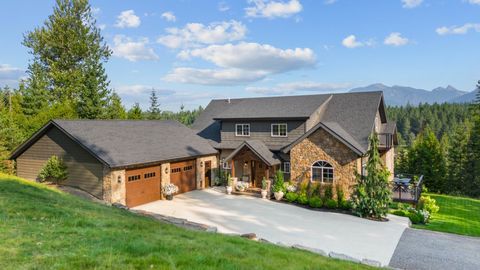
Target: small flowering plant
(241,186)
(169,189)
(291,188)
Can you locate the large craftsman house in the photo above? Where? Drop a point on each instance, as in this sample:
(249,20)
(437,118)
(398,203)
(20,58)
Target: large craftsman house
(320,138)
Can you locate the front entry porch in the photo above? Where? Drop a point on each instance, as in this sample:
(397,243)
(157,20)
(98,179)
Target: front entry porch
(251,162)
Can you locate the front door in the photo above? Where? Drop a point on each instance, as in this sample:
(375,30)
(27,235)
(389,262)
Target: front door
(208,174)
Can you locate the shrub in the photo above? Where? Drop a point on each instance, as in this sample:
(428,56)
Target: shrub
(279,185)
(345,205)
(54,170)
(399,213)
(414,217)
(315,202)
(302,198)
(291,197)
(303,186)
(312,189)
(428,204)
(331,204)
(328,194)
(291,187)
(264,184)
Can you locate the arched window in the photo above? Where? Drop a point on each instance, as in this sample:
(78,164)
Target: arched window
(322,172)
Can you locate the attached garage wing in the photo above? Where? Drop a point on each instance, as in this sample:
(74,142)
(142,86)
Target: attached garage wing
(183,175)
(142,185)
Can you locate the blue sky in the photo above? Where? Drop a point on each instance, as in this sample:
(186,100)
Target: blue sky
(191,51)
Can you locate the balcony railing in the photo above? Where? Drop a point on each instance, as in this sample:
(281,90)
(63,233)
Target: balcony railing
(385,140)
(406,189)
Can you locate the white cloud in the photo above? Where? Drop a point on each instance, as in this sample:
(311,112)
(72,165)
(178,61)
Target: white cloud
(329,2)
(458,30)
(474,2)
(10,75)
(195,34)
(395,39)
(351,42)
(213,76)
(125,47)
(222,6)
(411,3)
(241,63)
(169,16)
(128,19)
(301,86)
(272,9)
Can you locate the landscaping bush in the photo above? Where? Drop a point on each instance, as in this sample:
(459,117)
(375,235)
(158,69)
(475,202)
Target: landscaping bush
(345,205)
(428,204)
(279,184)
(415,218)
(291,197)
(331,204)
(341,202)
(54,170)
(399,213)
(312,189)
(302,198)
(315,202)
(328,194)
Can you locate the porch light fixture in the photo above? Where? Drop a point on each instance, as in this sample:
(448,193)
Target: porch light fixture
(166,170)
(201,163)
(119,179)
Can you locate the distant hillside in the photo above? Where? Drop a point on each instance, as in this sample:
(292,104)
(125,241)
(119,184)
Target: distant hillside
(402,95)
(468,97)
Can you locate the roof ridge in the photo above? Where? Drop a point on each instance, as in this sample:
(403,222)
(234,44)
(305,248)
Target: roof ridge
(290,96)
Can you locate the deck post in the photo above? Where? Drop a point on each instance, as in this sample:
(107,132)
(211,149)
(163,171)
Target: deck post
(233,168)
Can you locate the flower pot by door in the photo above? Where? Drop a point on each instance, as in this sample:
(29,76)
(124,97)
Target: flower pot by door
(169,197)
(229,190)
(264,194)
(278,195)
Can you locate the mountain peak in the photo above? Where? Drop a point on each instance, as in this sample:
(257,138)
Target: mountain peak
(449,88)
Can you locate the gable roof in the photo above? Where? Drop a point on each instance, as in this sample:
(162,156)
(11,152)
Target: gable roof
(121,143)
(350,116)
(260,149)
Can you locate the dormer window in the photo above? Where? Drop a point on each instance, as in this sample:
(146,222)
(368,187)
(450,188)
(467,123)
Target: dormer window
(279,130)
(242,130)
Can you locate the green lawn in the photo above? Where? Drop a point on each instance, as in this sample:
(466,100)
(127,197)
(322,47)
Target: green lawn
(41,228)
(457,215)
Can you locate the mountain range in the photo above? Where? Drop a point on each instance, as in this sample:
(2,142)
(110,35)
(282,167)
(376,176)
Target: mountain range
(402,95)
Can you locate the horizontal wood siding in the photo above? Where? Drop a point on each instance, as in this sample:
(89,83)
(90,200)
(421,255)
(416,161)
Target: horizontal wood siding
(85,171)
(261,130)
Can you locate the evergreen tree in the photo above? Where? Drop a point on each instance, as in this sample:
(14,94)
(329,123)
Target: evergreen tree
(154,110)
(68,55)
(135,112)
(115,109)
(372,192)
(426,158)
(34,90)
(472,168)
(457,159)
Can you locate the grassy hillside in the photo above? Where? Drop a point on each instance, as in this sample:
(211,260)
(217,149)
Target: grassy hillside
(43,228)
(458,215)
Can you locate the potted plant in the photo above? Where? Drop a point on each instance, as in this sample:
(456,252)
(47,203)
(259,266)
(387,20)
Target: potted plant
(264,188)
(229,184)
(240,186)
(279,186)
(169,190)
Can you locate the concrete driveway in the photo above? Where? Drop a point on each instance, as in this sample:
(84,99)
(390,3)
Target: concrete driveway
(288,224)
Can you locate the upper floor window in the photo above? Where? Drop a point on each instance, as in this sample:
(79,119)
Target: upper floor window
(242,129)
(286,167)
(322,172)
(279,130)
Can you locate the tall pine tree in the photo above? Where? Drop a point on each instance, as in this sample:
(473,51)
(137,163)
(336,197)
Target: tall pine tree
(135,112)
(115,109)
(154,110)
(68,56)
(472,169)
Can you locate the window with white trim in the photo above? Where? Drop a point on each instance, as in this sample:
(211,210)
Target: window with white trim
(279,130)
(225,165)
(242,130)
(286,167)
(322,172)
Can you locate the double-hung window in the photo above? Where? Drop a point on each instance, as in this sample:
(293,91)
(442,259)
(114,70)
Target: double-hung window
(279,130)
(242,130)
(286,167)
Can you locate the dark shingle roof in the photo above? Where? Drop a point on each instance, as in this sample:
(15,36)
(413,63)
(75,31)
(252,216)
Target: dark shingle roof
(350,116)
(260,149)
(119,143)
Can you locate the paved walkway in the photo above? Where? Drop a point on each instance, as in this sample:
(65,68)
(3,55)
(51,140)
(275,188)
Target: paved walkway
(421,249)
(278,222)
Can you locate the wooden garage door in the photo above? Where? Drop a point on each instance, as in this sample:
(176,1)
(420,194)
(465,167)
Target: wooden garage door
(183,175)
(142,185)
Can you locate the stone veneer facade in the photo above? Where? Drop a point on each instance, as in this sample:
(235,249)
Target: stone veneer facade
(201,170)
(320,145)
(114,186)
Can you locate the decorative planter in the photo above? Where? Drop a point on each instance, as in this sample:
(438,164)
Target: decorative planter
(278,195)
(229,190)
(169,197)
(264,194)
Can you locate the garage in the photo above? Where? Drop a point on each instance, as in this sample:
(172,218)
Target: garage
(142,185)
(182,174)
